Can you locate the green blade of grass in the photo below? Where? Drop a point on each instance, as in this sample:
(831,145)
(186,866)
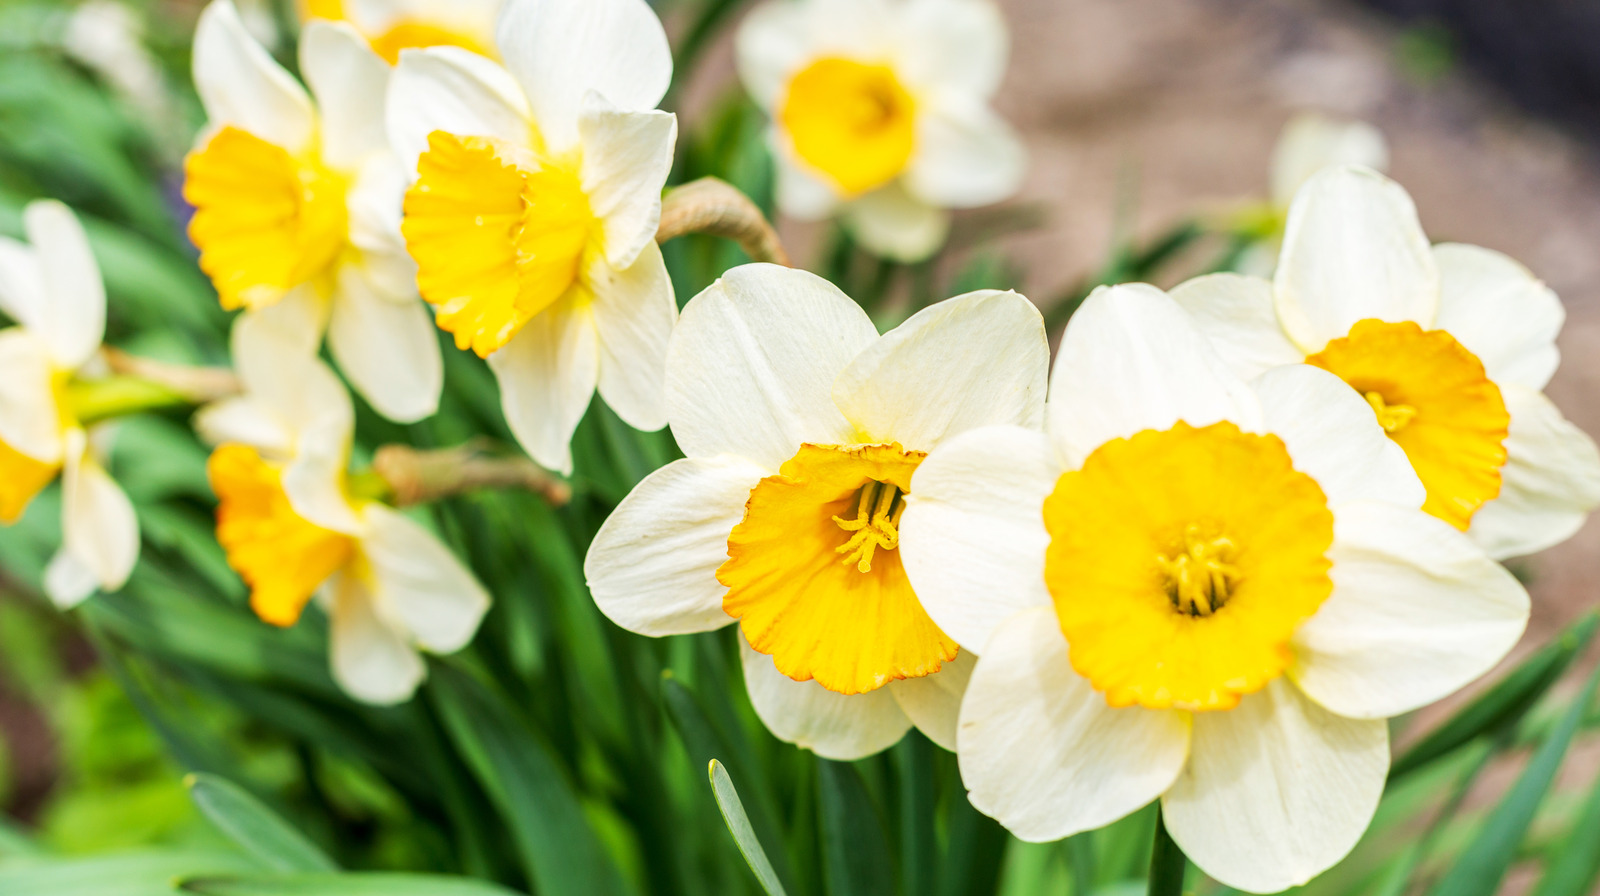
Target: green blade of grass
(255,828)
(855,851)
(739,825)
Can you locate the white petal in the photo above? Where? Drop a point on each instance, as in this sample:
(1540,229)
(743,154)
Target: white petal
(634,311)
(966,156)
(419,583)
(973,537)
(98,524)
(774,42)
(68,581)
(808,715)
(241,85)
(1550,483)
(1132,360)
(372,659)
(1236,313)
(349,82)
(1333,437)
(626,159)
(562,49)
(652,567)
(456,91)
(300,317)
(30,422)
(243,421)
(897,225)
(750,368)
(1353,249)
(1311,142)
(1042,753)
(974,360)
(314,478)
(1500,312)
(281,373)
(1417,613)
(73,319)
(375,204)
(1277,790)
(389,350)
(933,702)
(801,194)
(953,46)
(548,373)
(22,293)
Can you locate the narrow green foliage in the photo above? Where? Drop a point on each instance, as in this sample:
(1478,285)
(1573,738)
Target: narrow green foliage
(855,851)
(739,825)
(255,828)
(344,885)
(1575,865)
(1168,865)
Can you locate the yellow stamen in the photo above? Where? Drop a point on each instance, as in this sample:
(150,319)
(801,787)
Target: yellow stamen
(1199,578)
(876,525)
(854,122)
(1392,417)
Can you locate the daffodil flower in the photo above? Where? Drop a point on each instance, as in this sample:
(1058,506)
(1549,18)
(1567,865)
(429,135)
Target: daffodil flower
(802,429)
(881,114)
(295,525)
(1450,346)
(535,205)
(51,288)
(297,206)
(392,26)
(1197,590)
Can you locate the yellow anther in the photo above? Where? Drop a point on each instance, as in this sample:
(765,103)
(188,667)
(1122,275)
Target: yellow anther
(1392,417)
(1199,578)
(876,525)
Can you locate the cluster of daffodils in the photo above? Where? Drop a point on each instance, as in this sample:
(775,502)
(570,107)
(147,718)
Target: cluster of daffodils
(1252,521)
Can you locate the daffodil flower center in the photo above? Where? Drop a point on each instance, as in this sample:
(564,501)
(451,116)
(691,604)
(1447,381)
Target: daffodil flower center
(875,526)
(853,122)
(1199,575)
(1392,417)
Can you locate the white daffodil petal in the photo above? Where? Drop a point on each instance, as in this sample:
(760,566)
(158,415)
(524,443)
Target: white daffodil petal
(1353,249)
(372,660)
(953,46)
(420,583)
(300,317)
(1417,612)
(22,293)
(799,193)
(626,159)
(897,225)
(68,581)
(281,373)
(241,85)
(243,421)
(1550,483)
(1311,142)
(973,537)
(966,156)
(652,567)
(933,702)
(456,91)
(1237,314)
(98,524)
(751,365)
(548,373)
(1500,312)
(375,205)
(1042,753)
(314,479)
(72,322)
(389,350)
(349,82)
(1333,437)
(988,354)
(1276,790)
(30,422)
(634,312)
(804,713)
(774,42)
(1132,360)
(560,50)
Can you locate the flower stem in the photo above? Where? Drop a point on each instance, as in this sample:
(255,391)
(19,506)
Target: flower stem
(1167,863)
(713,206)
(418,477)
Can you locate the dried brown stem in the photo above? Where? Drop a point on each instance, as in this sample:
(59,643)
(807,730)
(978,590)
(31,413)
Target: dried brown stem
(714,206)
(200,385)
(418,477)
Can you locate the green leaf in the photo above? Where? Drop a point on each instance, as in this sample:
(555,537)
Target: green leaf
(1167,863)
(739,825)
(1484,863)
(346,885)
(1503,704)
(855,850)
(1576,862)
(131,874)
(254,827)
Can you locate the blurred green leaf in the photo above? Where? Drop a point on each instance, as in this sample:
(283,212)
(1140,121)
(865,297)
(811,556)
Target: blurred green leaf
(739,825)
(254,827)
(1575,863)
(347,885)
(1480,868)
(132,874)
(856,857)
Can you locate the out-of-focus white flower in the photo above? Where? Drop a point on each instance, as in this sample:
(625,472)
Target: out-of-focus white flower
(297,207)
(294,525)
(51,287)
(393,26)
(1198,590)
(881,113)
(802,428)
(1451,346)
(535,205)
